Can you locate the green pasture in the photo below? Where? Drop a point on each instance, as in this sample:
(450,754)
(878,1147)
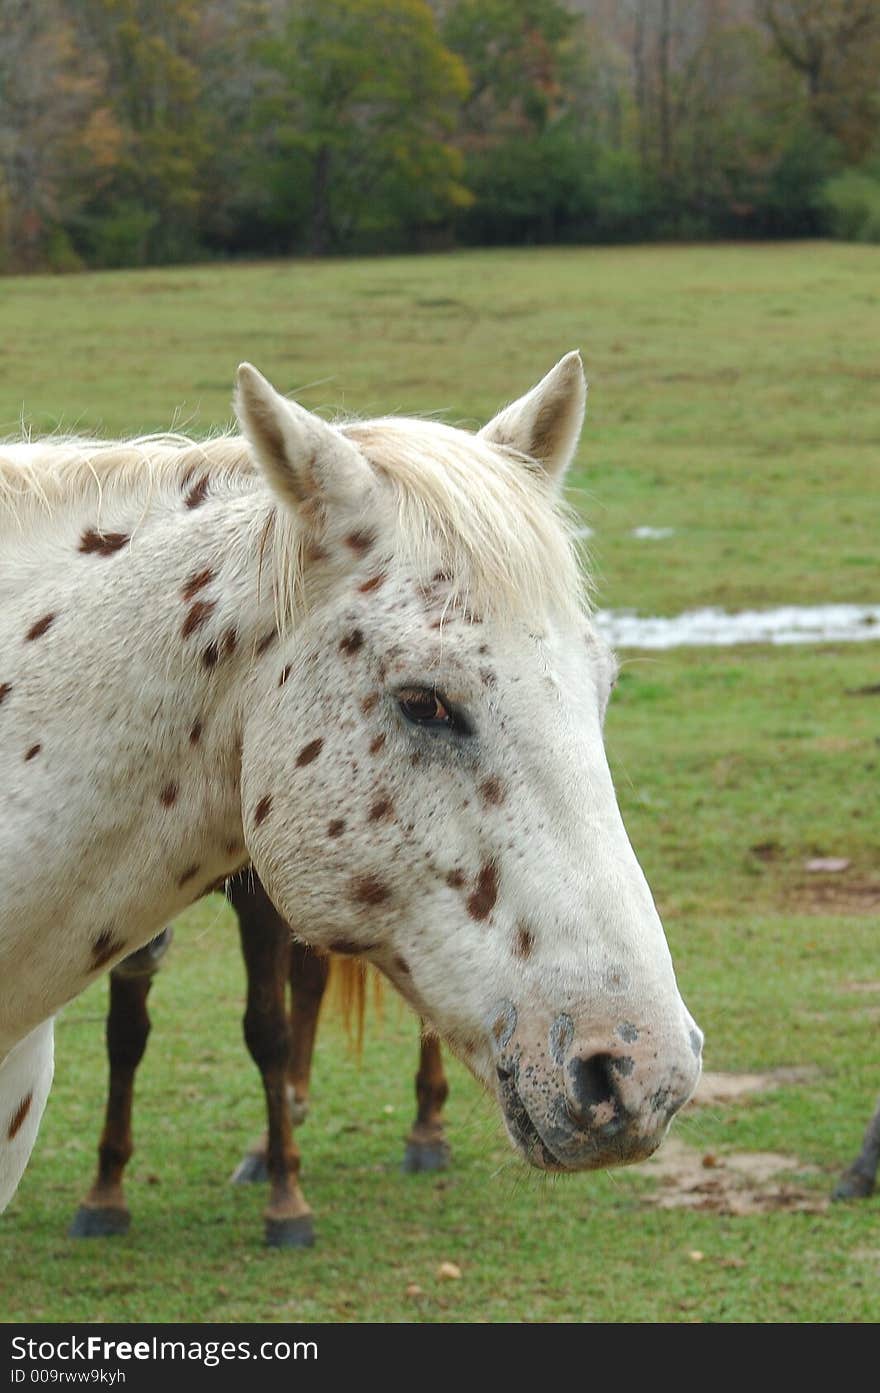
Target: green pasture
(735,391)
(734,398)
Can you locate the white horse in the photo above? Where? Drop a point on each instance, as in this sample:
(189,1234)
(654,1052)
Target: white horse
(360,658)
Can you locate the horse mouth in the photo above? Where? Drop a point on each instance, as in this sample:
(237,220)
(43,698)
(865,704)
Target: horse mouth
(522,1129)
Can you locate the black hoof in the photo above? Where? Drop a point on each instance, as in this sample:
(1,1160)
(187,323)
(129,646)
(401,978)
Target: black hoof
(89,1222)
(425,1156)
(853,1186)
(290,1233)
(251,1171)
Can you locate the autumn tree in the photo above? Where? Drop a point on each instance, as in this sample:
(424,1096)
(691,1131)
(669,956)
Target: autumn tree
(834,45)
(58,138)
(519,60)
(367,93)
(152,52)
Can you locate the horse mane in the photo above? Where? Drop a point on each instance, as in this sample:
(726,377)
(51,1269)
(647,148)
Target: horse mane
(505,541)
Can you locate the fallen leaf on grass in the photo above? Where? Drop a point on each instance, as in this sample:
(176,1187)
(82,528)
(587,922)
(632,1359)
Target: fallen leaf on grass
(449,1272)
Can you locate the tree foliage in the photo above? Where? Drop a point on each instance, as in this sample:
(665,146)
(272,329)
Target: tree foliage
(136,131)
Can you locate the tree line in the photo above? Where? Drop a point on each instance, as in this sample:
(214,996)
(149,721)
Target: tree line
(137,132)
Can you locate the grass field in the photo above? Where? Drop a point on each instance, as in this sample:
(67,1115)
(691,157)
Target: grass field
(734,399)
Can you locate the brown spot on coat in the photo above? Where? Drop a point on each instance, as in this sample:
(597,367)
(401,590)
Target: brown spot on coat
(492,791)
(261,811)
(37,630)
(33,751)
(481,901)
(5,689)
(360,540)
(189,874)
(230,638)
(195,733)
(336,827)
(455,879)
(196,616)
(376,743)
(368,889)
(401,964)
(197,582)
(105,947)
(383,807)
(97,543)
(168,796)
(310,752)
(198,493)
(366,705)
(525,942)
(211,655)
(352,642)
(372,584)
(265,642)
(19,1116)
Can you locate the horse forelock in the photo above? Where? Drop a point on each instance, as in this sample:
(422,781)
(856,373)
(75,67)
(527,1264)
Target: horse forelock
(505,540)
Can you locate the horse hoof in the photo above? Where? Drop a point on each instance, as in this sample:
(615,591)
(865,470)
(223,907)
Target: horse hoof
(853,1186)
(425,1156)
(290,1233)
(93,1222)
(251,1171)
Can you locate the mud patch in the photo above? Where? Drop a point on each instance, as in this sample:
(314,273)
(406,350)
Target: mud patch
(736,1182)
(842,895)
(742,1182)
(715,1090)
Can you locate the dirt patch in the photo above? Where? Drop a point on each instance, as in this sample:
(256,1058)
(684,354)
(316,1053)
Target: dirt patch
(841,895)
(714,1090)
(742,1182)
(737,1182)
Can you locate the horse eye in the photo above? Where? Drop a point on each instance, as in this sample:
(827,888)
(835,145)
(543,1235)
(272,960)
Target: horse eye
(428,708)
(423,707)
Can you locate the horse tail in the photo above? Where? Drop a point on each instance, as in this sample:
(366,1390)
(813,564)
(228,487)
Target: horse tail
(349,983)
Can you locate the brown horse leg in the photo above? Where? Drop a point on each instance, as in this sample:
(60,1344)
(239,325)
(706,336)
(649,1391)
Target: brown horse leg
(308,979)
(265,943)
(104,1212)
(858,1181)
(426,1146)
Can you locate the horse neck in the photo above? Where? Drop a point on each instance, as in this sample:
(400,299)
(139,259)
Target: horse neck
(124,668)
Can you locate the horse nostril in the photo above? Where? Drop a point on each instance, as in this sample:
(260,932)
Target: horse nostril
(590,1083)
(504,1075)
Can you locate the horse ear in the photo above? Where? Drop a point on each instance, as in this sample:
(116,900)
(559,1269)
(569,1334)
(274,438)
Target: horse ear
(546,422)
(303,458)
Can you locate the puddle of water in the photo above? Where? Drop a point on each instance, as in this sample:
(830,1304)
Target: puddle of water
(652,534)
(709,628)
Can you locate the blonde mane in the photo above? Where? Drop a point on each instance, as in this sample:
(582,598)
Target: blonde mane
(504,540)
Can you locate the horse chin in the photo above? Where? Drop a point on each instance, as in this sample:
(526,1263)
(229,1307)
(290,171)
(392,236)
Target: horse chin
(528,1141)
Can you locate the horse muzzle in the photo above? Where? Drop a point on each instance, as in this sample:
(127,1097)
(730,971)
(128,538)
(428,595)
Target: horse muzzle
(596,1102)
